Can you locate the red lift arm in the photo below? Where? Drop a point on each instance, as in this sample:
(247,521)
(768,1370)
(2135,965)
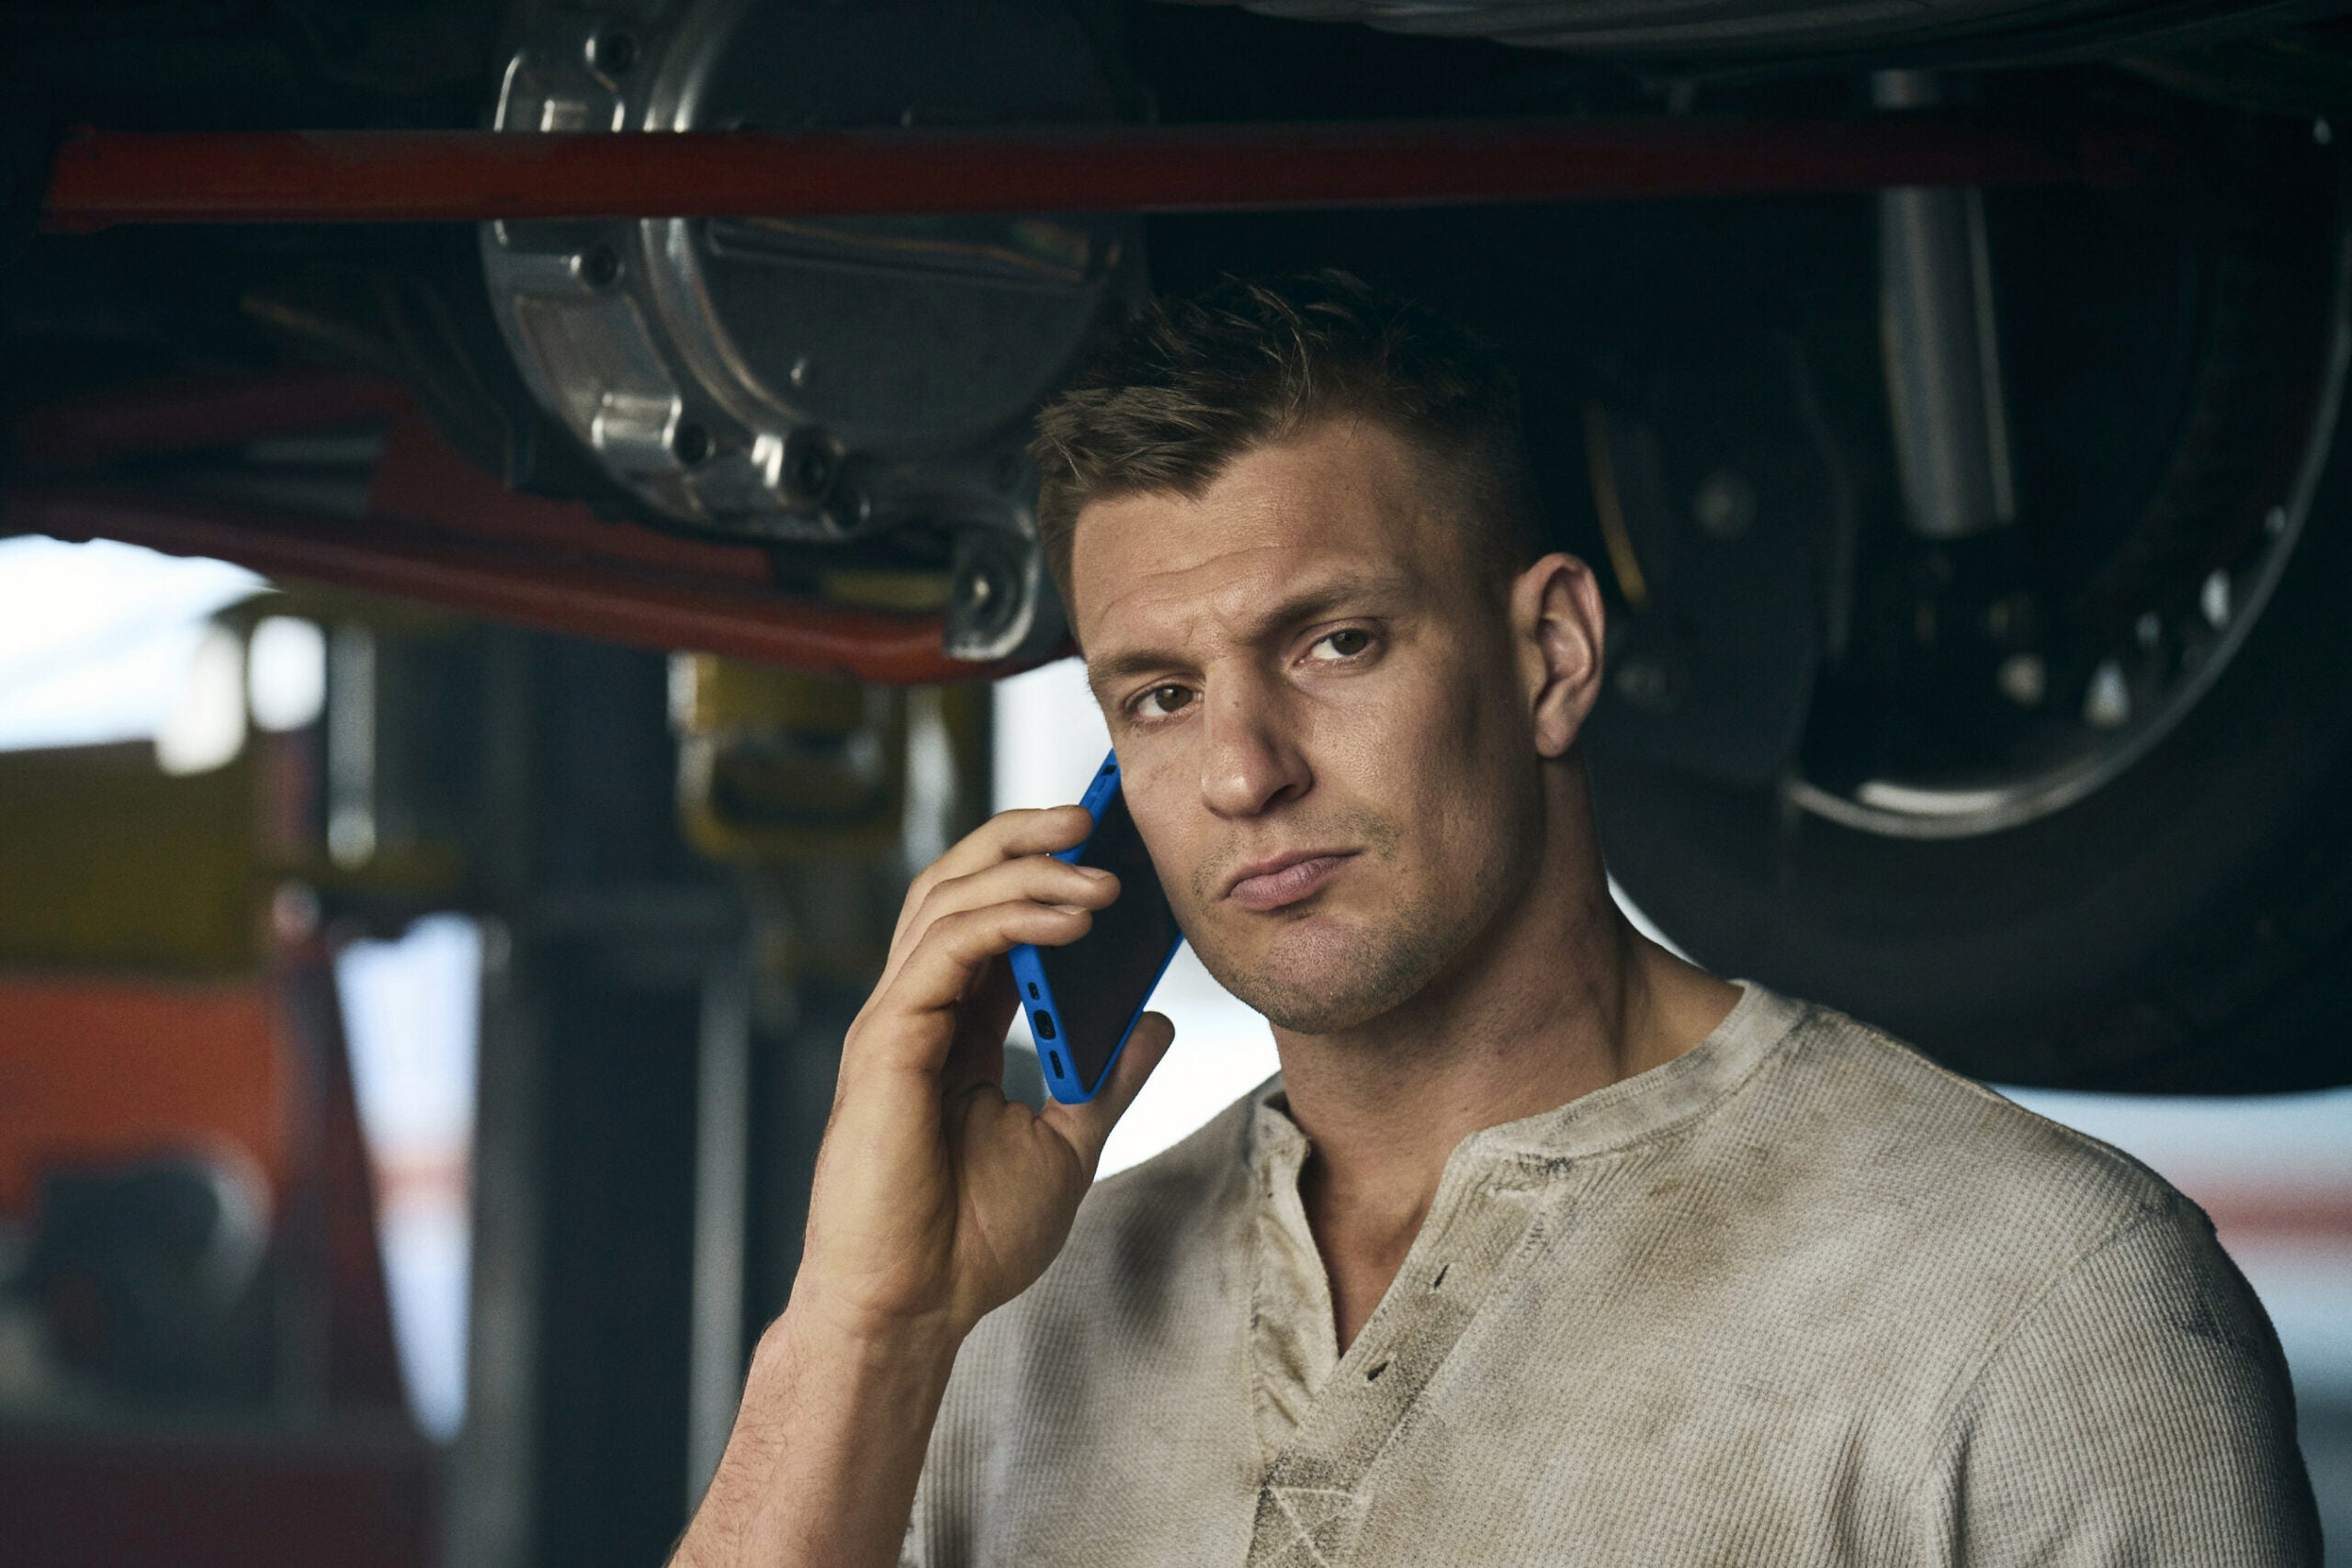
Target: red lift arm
(460,176)
(440,529)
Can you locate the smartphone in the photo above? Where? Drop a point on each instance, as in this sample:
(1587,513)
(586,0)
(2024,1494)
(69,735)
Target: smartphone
(1083,999)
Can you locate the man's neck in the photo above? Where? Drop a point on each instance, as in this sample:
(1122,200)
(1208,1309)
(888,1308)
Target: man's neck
(1561,999)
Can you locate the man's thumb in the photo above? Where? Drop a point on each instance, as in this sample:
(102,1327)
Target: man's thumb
(1088,1126)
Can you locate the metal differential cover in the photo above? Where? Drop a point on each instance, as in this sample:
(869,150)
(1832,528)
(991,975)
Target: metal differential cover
(816,379)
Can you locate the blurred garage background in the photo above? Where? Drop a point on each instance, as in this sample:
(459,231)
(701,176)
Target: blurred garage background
(421,985)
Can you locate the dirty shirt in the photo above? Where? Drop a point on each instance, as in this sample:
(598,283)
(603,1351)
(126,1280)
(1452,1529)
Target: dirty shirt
(1798,1296)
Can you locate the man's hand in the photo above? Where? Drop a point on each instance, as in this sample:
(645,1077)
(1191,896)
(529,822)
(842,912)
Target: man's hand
(936,1200)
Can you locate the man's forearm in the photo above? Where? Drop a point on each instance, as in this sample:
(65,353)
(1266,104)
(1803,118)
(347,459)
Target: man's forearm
(935,1200)
(822,1464)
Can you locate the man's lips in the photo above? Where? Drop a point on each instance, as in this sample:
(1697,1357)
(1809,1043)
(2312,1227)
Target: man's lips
(1285,879)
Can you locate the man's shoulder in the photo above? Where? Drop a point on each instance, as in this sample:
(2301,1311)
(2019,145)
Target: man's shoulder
(1881,1228)
(1946,1162)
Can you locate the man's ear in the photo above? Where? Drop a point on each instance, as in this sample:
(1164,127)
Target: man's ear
(1558,627)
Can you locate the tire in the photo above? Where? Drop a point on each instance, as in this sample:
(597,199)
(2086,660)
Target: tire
(2185,929)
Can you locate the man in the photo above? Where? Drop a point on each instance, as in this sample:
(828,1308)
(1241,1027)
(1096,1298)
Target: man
(1545,1247)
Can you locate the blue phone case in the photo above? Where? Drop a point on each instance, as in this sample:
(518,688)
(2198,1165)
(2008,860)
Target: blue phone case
(1037,995)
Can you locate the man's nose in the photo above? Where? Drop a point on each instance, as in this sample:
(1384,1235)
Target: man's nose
(1251,761)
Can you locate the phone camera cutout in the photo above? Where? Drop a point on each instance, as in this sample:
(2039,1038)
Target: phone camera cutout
(1055,1057)
(1032,991)
(1044,1024)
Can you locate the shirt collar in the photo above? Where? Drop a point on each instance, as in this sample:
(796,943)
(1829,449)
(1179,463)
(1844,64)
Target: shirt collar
(1625,1112)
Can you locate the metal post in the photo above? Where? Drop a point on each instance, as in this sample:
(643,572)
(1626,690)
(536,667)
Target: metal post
(722,1177)
(490,1513)
(492,1518)
(1942,347)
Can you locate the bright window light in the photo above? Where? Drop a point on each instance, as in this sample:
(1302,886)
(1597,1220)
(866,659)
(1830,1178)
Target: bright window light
(206,728)
(286,672)
(97,639)
(411,1009)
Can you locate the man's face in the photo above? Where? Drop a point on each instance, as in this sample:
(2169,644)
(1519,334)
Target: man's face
(1320,721)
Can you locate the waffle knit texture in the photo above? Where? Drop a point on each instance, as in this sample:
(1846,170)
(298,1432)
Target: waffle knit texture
(1798,1296)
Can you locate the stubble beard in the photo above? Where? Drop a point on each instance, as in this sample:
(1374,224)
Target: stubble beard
(1346,975)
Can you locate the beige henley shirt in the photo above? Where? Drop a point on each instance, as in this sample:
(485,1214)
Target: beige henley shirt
(1797,1297)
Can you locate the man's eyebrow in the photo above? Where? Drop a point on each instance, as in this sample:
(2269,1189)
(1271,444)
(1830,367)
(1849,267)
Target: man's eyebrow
(1373,592)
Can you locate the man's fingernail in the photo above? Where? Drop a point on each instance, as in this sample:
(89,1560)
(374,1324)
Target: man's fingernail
(1071,908)
(1096,872)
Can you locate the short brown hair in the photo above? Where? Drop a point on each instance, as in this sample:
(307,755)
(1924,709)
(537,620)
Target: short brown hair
(1192,383)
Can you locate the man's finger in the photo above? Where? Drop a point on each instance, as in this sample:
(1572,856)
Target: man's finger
(1006,836)
(1088,1127)
(1041,879)
(912,1018)
(976,1054)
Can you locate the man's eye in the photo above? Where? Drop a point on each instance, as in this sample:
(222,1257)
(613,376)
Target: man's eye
(1347,643)
(1168,699)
